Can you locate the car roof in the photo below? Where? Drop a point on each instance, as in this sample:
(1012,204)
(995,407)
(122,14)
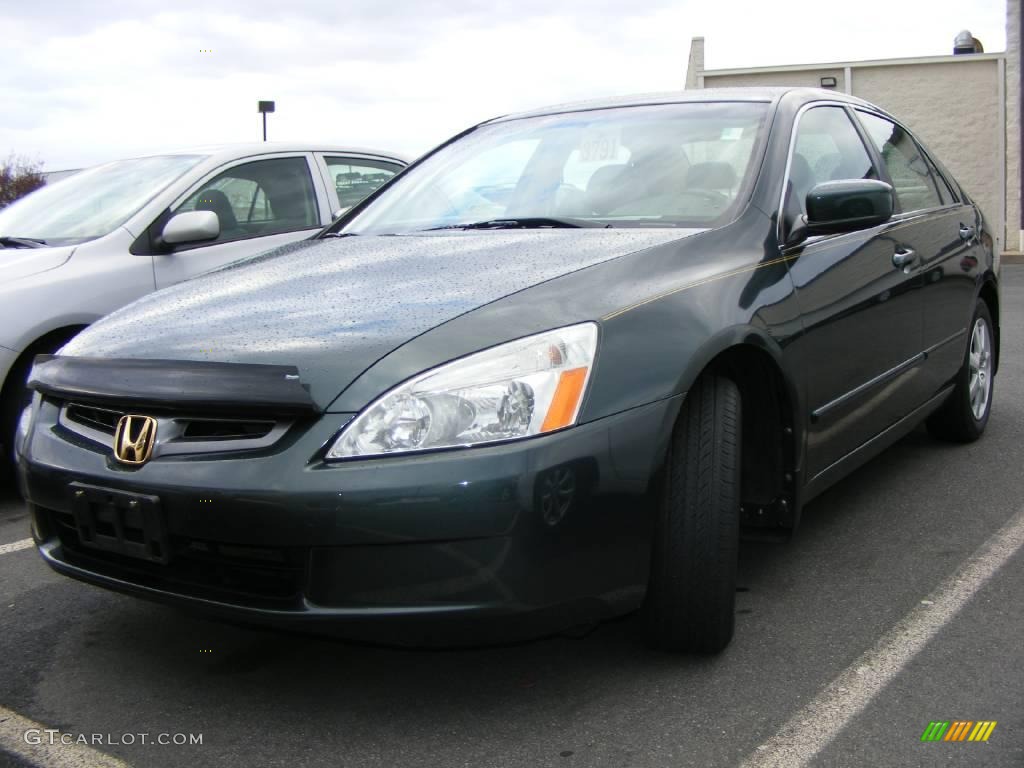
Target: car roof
(222,152)
(748,94)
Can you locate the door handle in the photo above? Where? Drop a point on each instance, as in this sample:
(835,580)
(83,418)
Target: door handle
(966,233)
(904,257)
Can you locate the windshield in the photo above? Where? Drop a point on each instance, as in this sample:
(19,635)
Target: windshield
(92,203)
(675,165)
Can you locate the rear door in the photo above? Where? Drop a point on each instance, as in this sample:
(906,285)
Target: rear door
(941,228)
(862,315)
(260,204)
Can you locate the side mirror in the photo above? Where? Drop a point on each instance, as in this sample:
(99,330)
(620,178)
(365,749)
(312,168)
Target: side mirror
(191,227)
(847,206)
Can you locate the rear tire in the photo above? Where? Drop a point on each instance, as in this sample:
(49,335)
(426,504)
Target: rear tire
(964,415)
(690,604)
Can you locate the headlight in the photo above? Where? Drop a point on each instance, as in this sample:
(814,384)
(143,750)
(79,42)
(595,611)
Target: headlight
(519,389)
(21,434)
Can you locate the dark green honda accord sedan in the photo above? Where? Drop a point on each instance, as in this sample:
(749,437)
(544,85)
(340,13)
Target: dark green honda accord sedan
(548,374)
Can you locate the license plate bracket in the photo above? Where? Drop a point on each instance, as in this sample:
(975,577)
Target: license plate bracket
(131,524)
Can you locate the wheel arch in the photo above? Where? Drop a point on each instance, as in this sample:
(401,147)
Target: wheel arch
(773,435)
(49,340)
(989,293)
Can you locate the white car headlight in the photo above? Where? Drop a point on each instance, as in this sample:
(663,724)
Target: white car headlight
(21,433)
(518,389)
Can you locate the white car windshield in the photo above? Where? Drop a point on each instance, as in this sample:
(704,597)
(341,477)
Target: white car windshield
(92,203)
(679,165)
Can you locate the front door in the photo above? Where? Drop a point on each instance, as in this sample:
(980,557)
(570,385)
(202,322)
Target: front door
(260,204)
(861,311)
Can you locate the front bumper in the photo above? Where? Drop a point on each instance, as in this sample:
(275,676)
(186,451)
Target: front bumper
(7,360)
(453,546)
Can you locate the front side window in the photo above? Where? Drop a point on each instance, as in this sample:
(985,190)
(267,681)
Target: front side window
(911,173)
(355,178)
(827,148)
(265,197)
(94,202)
(673,165)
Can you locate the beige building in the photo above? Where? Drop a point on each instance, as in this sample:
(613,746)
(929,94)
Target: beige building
(966,108)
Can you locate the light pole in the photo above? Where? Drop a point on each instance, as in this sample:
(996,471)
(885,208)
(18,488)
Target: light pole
(264,108)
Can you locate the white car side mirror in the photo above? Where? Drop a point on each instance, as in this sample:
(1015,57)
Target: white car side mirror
(191,227)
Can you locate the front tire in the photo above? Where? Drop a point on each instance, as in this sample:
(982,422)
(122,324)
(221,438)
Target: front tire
(690,604)
(16,396)
(964,415)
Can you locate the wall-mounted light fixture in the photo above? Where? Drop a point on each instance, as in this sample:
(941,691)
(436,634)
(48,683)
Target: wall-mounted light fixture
(829,82)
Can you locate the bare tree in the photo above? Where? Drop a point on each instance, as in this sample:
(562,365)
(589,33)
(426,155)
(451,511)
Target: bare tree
(18,177)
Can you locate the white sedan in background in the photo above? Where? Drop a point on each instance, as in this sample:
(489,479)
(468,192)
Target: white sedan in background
(78,249)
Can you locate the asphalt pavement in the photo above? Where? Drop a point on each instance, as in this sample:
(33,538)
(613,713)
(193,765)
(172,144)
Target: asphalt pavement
(877,558)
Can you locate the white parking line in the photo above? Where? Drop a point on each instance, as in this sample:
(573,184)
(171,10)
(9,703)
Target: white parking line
(815,726)
(13,730)
(15,546)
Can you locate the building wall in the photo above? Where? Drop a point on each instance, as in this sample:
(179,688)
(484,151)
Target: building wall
(797,79)
(1013,126)
(695,63)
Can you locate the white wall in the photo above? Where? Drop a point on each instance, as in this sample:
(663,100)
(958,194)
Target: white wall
(1013,126)
(796,78)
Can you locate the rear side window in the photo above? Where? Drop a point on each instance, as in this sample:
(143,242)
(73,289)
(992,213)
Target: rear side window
(265,197)
(355,178)
(827,148)
(917,187)
(945,188)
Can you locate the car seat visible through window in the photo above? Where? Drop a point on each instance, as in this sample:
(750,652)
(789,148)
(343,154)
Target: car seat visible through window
(216,201)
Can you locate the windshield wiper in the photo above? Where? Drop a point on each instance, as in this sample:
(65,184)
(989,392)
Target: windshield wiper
(21,242)
(533,222)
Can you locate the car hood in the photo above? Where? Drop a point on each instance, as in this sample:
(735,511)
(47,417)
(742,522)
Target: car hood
(333,307)
(16,263)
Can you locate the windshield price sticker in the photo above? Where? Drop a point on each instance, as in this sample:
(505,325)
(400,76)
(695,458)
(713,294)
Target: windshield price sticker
(599,146)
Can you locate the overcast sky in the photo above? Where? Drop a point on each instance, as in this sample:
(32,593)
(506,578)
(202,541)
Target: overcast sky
(82,82)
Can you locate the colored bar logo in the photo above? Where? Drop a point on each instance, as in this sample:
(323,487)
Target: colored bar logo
(958,730)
